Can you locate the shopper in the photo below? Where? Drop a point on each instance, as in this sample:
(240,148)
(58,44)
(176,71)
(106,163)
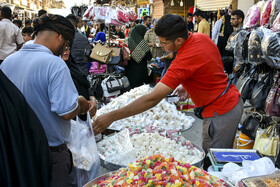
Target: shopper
(153,42)
(217,27)
(27,23)
(27,33)
(119,33)
(203,25)
(11,38)
(225,32)
(42,12)
(24,149)
(147,22)
(80,81)
(136,70)
(45,81)
(18,23)
(80,43)
(189,22)
(236,20)
(201,73)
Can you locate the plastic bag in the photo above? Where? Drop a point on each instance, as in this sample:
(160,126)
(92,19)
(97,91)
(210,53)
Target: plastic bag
(90,13)
(252,18)
(271,49)
(82,144)
(122,14)
(262,166)
(276,24)
(241,47)
(265,13)
(275,9)
(117,149)
(132,15)
(101,14)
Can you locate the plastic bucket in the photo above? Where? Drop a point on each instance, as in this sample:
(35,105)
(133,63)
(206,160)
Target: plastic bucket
(244,142)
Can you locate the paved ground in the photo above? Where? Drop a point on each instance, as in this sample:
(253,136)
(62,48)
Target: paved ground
(193,134)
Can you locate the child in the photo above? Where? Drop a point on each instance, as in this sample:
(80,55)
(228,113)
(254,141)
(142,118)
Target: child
(26,33)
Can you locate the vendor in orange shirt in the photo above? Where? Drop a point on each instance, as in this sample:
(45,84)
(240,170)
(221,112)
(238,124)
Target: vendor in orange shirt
(199,69)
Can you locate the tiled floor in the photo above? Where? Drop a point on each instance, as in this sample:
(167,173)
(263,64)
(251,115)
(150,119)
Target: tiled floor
(193,134)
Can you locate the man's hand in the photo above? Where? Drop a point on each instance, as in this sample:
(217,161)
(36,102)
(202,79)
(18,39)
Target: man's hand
(181,92)
(102,123)
(92,108)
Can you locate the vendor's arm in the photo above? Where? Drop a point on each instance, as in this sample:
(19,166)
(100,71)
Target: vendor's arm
(139,105)
(83,107)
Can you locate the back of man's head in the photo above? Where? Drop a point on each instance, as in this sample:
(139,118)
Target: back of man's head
(42,12)
(27,22)
(56,23)
(146,18)
(238,13)
(171,27)
(199,13)
(28,30)
(18,23)
(6,12)
(72,18)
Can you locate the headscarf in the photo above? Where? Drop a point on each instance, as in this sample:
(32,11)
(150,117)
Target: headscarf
(101,36)
(138,46)
(55,23)
(223,26)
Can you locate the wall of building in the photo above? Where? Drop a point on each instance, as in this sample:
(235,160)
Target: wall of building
(245,5)
(158,9)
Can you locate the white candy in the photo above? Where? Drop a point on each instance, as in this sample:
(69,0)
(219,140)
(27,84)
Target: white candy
(164,115)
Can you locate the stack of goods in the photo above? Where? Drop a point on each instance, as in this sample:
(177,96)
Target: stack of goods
(160,171)
(164,114)
(123,148)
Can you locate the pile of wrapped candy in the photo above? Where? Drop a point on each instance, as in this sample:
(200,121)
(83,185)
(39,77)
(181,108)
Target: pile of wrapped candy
(157,170)
(164,114)
(126,147)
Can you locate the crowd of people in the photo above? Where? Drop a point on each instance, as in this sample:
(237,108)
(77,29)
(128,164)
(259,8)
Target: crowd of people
(45,62)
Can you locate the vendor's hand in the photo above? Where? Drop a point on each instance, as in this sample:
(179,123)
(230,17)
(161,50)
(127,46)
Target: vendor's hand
(102,123)
(92,107)
(181,92)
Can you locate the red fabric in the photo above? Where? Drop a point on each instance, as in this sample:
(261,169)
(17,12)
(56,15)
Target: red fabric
(200,70)
(191,9)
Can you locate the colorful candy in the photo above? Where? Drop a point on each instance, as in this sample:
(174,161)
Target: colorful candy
(159,171)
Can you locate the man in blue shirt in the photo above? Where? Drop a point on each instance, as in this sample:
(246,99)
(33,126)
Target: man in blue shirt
(45,81)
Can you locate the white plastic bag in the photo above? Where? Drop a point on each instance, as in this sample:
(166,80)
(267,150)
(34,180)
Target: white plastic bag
(82,144)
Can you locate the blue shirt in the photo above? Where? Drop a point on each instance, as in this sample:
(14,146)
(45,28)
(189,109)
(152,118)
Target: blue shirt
(45,81)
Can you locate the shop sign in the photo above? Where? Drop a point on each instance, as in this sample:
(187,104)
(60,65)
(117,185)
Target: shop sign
(141,11)
(24,2)
(143,2)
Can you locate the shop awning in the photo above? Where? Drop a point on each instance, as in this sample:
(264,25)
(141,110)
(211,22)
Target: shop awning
(210,5)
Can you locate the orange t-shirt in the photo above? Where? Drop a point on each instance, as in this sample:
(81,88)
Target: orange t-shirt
(199,68)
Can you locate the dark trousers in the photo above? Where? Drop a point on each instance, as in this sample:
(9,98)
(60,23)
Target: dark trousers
(1,61)
(63,171)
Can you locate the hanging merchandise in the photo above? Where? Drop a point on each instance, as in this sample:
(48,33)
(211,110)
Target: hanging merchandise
(122,14)
(252,123)
(255,54)
(132,16)
(241,46)
(275,9)
(103,1)
(271,49)
(261,90)
(276,24)
(89,13)
(271,106)
(267,141)
(265,13)
(252,18)
(246,83)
